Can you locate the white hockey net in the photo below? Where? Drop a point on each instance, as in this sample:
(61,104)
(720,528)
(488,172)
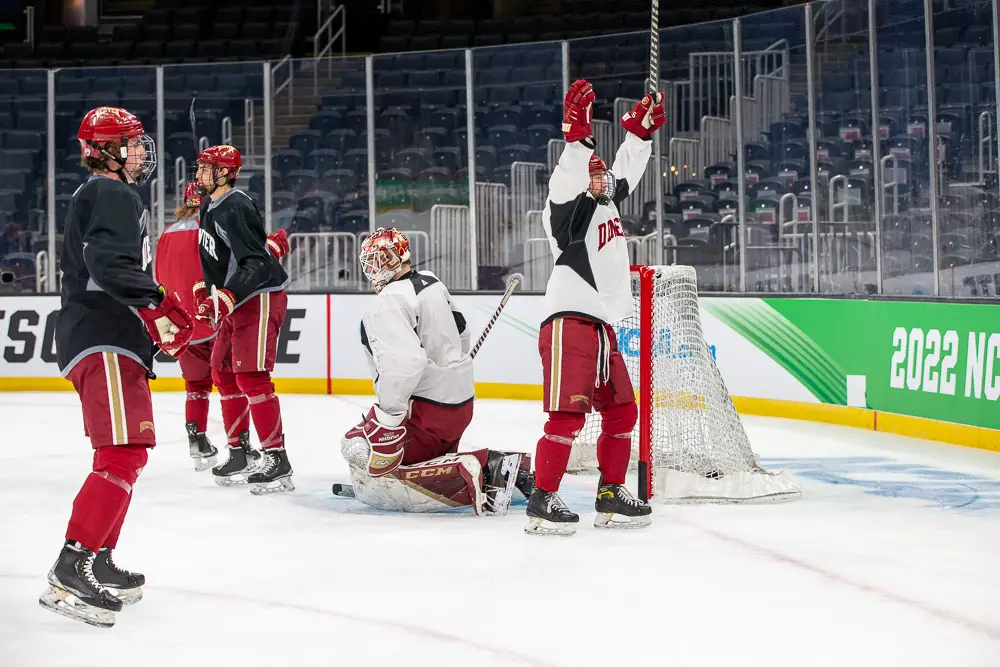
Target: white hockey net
(697,445)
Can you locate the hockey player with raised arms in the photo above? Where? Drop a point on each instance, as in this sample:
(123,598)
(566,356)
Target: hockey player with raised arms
(243,294)
(588,290)
(111,315)
(403,456)
(178,267)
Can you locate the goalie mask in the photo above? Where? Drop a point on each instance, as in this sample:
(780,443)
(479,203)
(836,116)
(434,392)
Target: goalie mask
(115,138)
(602,181)
(383,254)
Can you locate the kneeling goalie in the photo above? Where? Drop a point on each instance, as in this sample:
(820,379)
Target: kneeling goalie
(403,456)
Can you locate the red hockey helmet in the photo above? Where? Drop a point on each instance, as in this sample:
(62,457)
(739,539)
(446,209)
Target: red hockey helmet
(192,195)
(597,165)
(105,125)
(220,157)
(383,253)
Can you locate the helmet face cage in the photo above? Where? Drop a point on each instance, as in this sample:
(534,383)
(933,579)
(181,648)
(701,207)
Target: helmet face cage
(148,165)
(602,186)
(218,157)
(104,125)
(382,255)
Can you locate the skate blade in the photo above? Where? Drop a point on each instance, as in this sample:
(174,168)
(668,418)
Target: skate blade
(275,486)
(614,521)
(66,604)
(538,526)
(239,479)
(203,464)
(126,595)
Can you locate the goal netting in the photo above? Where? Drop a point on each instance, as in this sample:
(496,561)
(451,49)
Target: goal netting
(689,444)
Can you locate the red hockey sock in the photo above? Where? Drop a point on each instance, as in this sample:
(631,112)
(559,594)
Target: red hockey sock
(111,541)
(235,410)
(100,506)
(553,449)
(264,407)
(614,445)
(196,405)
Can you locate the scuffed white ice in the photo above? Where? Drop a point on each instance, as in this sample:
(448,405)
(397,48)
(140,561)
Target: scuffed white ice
(839,578)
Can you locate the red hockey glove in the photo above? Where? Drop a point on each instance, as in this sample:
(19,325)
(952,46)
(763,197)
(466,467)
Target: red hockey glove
(169,325)
(200,291)
(277,243)
(216,308)
(385,435)
(577,111)
(645,117)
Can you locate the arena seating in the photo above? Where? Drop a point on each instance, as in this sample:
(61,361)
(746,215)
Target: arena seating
(421,147)
(187,31)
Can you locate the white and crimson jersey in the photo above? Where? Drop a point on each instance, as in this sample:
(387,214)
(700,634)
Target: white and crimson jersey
(591,275)
(417,345)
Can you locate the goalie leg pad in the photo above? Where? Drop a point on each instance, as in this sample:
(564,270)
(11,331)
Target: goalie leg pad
(614,445)
(553,449)
(443,483)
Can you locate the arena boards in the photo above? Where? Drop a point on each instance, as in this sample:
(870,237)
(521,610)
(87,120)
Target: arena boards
(920,369)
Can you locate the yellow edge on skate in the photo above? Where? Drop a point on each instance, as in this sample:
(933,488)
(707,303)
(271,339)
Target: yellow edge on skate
(871,420)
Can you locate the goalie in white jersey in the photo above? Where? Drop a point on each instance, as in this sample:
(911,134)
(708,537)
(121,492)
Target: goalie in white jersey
(403,455)
(589,290)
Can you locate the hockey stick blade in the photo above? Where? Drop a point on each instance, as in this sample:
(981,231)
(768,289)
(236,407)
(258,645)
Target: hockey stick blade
(511,286)
(215,307)
(343,490)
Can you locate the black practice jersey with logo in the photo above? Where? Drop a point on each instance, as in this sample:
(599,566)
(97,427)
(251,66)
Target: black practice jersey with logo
(234,254)
(107,274)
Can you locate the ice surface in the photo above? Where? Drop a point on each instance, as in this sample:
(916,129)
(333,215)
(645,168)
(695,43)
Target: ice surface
(890,558)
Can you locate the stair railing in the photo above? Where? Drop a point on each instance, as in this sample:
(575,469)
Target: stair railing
(282,66)
(987,160)
(248,129)
(324,39)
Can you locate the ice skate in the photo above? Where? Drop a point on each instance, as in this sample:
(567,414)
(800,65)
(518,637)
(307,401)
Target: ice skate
(203,453)
(618,508)
(75,592)
(124,585)
(548,515)
(243,460)
(525,482)
(274,475)
(499,479)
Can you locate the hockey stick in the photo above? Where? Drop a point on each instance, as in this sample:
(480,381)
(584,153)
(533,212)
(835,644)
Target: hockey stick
(511,286)
(194,131)
(215,307)
(654,48)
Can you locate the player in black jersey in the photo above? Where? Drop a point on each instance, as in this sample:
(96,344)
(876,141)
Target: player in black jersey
(244,295)
(112,313)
